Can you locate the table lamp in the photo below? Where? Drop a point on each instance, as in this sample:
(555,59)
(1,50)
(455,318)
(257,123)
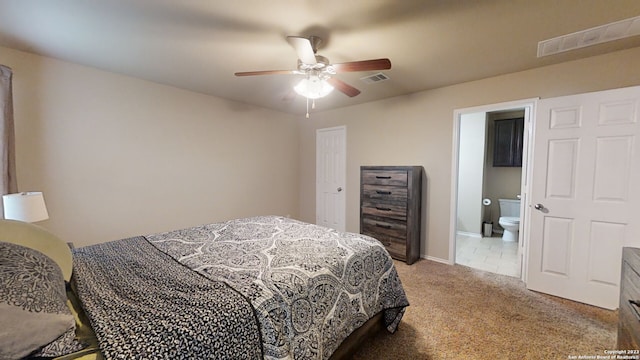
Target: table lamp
(25,206)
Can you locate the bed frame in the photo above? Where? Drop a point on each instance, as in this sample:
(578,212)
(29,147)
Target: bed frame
(353,342)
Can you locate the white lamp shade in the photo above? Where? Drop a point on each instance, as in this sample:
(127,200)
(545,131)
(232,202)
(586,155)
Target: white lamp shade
(26,206)
(313,87)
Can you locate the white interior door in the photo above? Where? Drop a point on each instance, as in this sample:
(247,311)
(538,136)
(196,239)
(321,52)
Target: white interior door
(471,169)
(585,202)
(330,177)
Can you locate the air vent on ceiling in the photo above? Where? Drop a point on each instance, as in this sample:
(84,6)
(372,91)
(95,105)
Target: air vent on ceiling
(597,35)
(374,78)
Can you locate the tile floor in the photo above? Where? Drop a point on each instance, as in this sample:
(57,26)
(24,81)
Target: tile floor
(489,254)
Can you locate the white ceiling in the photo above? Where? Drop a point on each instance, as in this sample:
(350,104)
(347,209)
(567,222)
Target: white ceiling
(199,44)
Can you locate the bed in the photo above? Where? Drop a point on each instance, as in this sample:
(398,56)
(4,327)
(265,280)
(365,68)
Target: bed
(265,287)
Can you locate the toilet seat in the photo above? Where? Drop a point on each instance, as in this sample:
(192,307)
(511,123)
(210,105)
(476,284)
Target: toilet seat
(509,220)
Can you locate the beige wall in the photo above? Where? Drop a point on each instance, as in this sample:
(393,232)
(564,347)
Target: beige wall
(417,130)
(117,156)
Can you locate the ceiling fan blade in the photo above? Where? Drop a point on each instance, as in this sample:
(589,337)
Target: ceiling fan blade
(303,49)
(266,72)
(343,87)
(364,65)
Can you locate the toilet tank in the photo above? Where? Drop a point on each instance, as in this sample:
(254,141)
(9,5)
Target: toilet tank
(509,207)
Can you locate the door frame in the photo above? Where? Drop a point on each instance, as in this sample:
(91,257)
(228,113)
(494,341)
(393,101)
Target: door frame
(343,156)
(527,150)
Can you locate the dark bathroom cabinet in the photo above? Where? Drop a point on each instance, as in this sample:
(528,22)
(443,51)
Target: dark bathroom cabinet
(507,143)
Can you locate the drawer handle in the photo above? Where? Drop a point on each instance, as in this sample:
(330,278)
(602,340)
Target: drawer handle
(383,226)
(383,208)
(383,192)
(383,177)
(635,304)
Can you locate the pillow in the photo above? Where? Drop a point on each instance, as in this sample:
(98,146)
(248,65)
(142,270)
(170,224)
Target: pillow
(34,317)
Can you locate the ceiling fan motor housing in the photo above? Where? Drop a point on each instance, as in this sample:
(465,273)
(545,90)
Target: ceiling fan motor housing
(321,63)
(315,42)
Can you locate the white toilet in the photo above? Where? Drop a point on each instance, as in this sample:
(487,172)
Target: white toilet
(509,219)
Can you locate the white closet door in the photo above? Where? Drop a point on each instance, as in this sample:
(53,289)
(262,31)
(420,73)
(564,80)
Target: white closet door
(330,177)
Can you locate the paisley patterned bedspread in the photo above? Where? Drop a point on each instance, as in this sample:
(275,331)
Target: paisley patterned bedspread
(264,287)
(310,286)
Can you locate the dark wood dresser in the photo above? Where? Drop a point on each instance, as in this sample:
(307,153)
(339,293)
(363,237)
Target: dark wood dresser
(629,312)
(390,199)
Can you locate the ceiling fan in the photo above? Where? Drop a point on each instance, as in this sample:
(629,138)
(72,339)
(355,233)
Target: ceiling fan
(318,71)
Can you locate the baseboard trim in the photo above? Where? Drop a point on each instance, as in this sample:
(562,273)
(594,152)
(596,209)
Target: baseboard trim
(436,259)
(469,234)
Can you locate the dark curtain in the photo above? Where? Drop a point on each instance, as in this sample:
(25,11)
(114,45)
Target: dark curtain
(8,183)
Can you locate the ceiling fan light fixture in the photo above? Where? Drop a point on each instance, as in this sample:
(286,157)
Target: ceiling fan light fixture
(313,87)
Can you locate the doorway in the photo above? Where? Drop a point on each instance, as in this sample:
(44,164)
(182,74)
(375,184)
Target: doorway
(476,236)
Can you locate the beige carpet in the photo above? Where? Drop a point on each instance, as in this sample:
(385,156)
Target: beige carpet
(461,313)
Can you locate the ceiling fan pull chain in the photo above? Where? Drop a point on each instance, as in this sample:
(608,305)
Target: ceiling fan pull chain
(307,108)
(313,104)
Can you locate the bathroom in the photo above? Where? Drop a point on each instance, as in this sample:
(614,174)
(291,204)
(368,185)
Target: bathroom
(498,177)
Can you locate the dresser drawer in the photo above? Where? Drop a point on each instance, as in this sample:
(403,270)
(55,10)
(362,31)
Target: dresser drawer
(385,193)
(386,227)
(380,209)
(397,248)
(631,281)
(629,313)
(380,177)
